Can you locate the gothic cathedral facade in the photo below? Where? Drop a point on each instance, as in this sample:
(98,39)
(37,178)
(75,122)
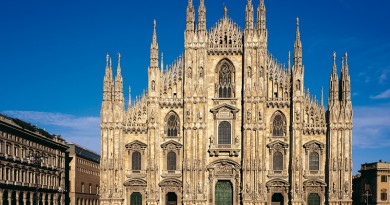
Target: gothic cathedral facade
(226,124)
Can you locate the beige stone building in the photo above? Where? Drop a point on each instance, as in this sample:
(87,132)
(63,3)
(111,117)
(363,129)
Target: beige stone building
(32,165)
(226,124)
(373,184)
(84,171)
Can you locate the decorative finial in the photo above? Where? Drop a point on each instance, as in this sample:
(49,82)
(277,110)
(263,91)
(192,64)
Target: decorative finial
(154,23)
(289,60)
(119,58)
(129,97)
(346,57)
(162,61)
(107,59)
(322,96)
(225,10)
(297,22)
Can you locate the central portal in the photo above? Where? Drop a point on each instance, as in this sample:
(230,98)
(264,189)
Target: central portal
(224,193)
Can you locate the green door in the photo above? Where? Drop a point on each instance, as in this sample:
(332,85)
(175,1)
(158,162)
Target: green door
(313,199)
(223,193)
(136,198)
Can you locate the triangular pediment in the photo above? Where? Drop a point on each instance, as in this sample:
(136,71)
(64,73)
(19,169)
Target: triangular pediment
(277,143)
(226,107)
(136,145)
(224,111)
(172,144)
(314,143)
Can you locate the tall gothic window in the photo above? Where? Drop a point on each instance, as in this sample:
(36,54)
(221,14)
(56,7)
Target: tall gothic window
(225,81)
(314,161)
(136,161)
(172,125)
(171,161)
(224,133)
(278,161)
(278,125)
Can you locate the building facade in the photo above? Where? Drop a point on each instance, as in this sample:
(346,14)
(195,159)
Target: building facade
(32,164)
(226,124)
(372,186)
(84,171)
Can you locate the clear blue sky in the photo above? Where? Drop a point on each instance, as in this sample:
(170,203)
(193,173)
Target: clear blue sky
(52,56)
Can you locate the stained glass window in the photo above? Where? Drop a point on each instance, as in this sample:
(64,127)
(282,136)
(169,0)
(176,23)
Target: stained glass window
(278,125)
(225,82)
(172,125)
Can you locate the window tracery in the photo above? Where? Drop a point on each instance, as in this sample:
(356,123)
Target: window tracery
(279,125)
(225,73)
(172,125)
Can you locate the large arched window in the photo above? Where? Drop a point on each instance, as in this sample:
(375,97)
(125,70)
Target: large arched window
(278,161)
(278,125)
(314,161)
(225,81)
(171,161)
(224,133)
(136,161)
(172,125)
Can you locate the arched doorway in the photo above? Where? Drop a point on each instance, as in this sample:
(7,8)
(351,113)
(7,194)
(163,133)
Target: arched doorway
(313,199)
(277,199)
(223,193)
(171,198)
(136,198)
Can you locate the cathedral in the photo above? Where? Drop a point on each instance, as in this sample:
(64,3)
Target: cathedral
(226,124)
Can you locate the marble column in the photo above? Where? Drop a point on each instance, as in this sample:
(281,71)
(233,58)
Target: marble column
(24,198)
(17,197)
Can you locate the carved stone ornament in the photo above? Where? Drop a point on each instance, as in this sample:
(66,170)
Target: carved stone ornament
(135,182)
(314,146)
(170,183)
(277,145)
(171,145)
(224,107)
(136,145)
